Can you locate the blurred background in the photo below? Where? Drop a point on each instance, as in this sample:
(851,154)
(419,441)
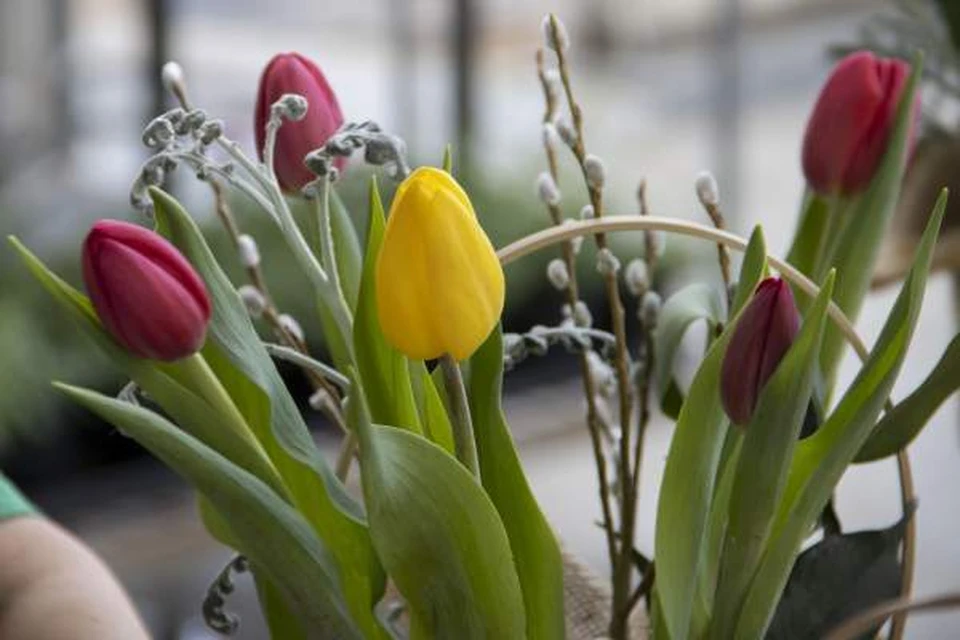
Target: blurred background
(668,87)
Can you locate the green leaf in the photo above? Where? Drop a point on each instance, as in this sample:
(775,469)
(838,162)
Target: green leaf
(433,411)
(752,270)
(694,302)
(821,459)
(281,622)
(245,369)
(764,463)
(384,370)
(904,422)
(865,223)
(276,539)
(838,578)
(346,244)
(535,549)
(809,240)
(691,471)
(438,534)
(447,163)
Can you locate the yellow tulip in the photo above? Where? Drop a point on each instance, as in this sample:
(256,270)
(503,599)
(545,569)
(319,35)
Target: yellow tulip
(439,283)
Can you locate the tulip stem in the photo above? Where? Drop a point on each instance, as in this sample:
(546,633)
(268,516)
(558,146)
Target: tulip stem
(463,440)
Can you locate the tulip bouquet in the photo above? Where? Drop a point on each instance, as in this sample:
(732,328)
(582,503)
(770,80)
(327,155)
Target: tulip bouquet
(444,538)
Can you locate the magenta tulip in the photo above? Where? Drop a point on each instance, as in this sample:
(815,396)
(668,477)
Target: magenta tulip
(850,126)
(293,73)
(766,329)
(147,295)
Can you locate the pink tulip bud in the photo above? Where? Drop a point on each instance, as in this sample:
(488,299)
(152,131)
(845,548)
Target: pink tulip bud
(147,295)
(764,332)
(293,73)
(850,126)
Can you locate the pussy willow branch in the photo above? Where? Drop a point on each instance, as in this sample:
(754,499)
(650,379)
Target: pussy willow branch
(623,567)
(573,296)
(723,254)
(548,237)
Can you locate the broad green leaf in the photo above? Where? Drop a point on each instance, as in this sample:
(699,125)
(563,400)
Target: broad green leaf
(837,578)
(438,534)
(244,367)
(384,370)
(281,622)
(764,462)
(535,549)
(274,536)
(694,302)
(904,422)
(865,223)
(821,459)
(346,244)
(753,269)
(691,471)
(716,531)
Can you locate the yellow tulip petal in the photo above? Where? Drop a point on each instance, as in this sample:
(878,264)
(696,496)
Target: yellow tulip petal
(440,287)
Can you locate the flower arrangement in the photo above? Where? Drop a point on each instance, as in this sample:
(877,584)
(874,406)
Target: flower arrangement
(446,539)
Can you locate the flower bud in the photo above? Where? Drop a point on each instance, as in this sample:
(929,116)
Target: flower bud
(171,75)
(292,73)
(707,191)
(147,295)
(587,212)
(248,250)
(849,129)
(637,276)
(554,33)
(291,326)
(766,329)
(607,262)
(595,171)
(253,300)
(582,317)
(547,189)
(439,284)
(557,274)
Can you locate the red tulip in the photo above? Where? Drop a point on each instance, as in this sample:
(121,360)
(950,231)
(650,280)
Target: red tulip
(147,295)
(293,73)
(766,329)
(850,126)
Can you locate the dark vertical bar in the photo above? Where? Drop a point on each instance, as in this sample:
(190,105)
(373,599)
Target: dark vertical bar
(159,33)
(404,75)
(464,35)
(725,72)
(63,115)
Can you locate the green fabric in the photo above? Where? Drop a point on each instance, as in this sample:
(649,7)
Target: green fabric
(12,502)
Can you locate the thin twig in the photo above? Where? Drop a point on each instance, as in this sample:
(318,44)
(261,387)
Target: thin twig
(908,562)
(622,568)
(723,254)
(572,297)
